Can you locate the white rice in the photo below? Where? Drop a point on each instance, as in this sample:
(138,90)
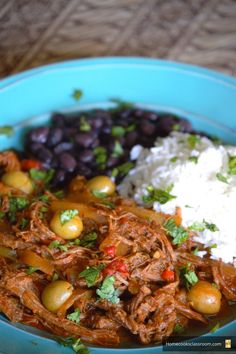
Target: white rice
(199,193)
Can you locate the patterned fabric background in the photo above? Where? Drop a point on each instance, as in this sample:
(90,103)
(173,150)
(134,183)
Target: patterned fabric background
(35,32)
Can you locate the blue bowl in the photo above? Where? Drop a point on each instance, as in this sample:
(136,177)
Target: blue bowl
(206,98)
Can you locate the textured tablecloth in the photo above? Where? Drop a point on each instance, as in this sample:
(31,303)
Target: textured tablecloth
(35,32)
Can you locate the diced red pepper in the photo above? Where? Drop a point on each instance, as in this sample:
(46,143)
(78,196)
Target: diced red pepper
(110,251)
(168,275)
(116,266)
(26,165)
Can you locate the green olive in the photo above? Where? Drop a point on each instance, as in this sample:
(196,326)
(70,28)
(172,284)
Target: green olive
(19,180)
(56,294)
(102,184)
(205,298)
(69,230)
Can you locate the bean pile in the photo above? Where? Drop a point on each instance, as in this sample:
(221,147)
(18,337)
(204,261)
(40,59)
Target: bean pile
(98,141)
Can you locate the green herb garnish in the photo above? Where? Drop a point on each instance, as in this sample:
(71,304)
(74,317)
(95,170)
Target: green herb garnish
(2,214)
(108,204)
(178,329)
(24,223)
(188,276)
(74,343)
(174,159)
(157,195)
(89,240)
(59,194)
(57,244)
(41,175)
(232,165)
(107,290)
(178,233)
(176,127)
(44,198)
(31,270)
(117,131)
(91,274)
(67,215)
(84,125)
(7,130)
(16,204)
(201,226)
(130,128)
(100,154)
(122,169)
(118,149)
(99,194)
(77,94)
(222,178)
(210,226)
(74,316)
(193,159)
(195,251)
(193,140)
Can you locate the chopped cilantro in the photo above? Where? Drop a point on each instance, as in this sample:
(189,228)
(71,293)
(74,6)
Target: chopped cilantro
(2,214)
(215,285)
(7,130)
(201,226)
(215,328)
(130,128)
(84,125)
(109,204)
(16,204)
(100,154)
(122,104)
(178,329)
(55,276)
(176,127)
(89,239)
(178,233)
(31,270)
(193,140)
(213,246)
(107,290)
(41,175)
(222,178)
(232,165)
(44,198)
(77,94)
(118,149)
(74,316)
(74,343)
(67,215)
(195,251)
(174,159)
(59,194)
(188,276)
(24,223)
(91,274)
(122,169)
(99,194)
(193,159)
(210,226)
(157,195)
(117,130)
(57,244)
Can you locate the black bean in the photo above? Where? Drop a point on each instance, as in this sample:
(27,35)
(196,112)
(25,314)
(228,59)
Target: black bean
(112,161)
(131,138)
(152,116)
(147,127)
(54,137)
(97,123)
(67,162)
(138,113)
(44,155)
(165,124)
(59,178)
(84,139)
(86,156)
(58,120)
(63,147)
(84,170)
(39,135)
(34,147)
(185,126)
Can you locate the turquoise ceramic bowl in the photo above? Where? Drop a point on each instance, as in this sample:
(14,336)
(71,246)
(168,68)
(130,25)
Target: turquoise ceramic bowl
(206,98)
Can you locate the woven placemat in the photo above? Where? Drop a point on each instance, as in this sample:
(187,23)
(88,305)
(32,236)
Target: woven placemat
(36,32)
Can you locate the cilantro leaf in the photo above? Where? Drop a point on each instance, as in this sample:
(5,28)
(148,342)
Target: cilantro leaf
(100,154)
(31,270)
(195,251)
(193,159)
(77,94)
(222,178)
(176,127)
(16,204)
(157,195)
(107,290)
(91,274)
(117,131)
(67,215)
(41,175)
(123,169)
(108,204)
(2,214)
(178,329)
(89,239)
(188,276)
(7,130)
(193,140)
(130,128)
(174,159)
(178,233)
(57,244)
(84,125)
(118,149)
(24,223)
(197,226)
(232,165)
(210,226)
(74,343)
(74,316)
(59,194)
(99,194)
